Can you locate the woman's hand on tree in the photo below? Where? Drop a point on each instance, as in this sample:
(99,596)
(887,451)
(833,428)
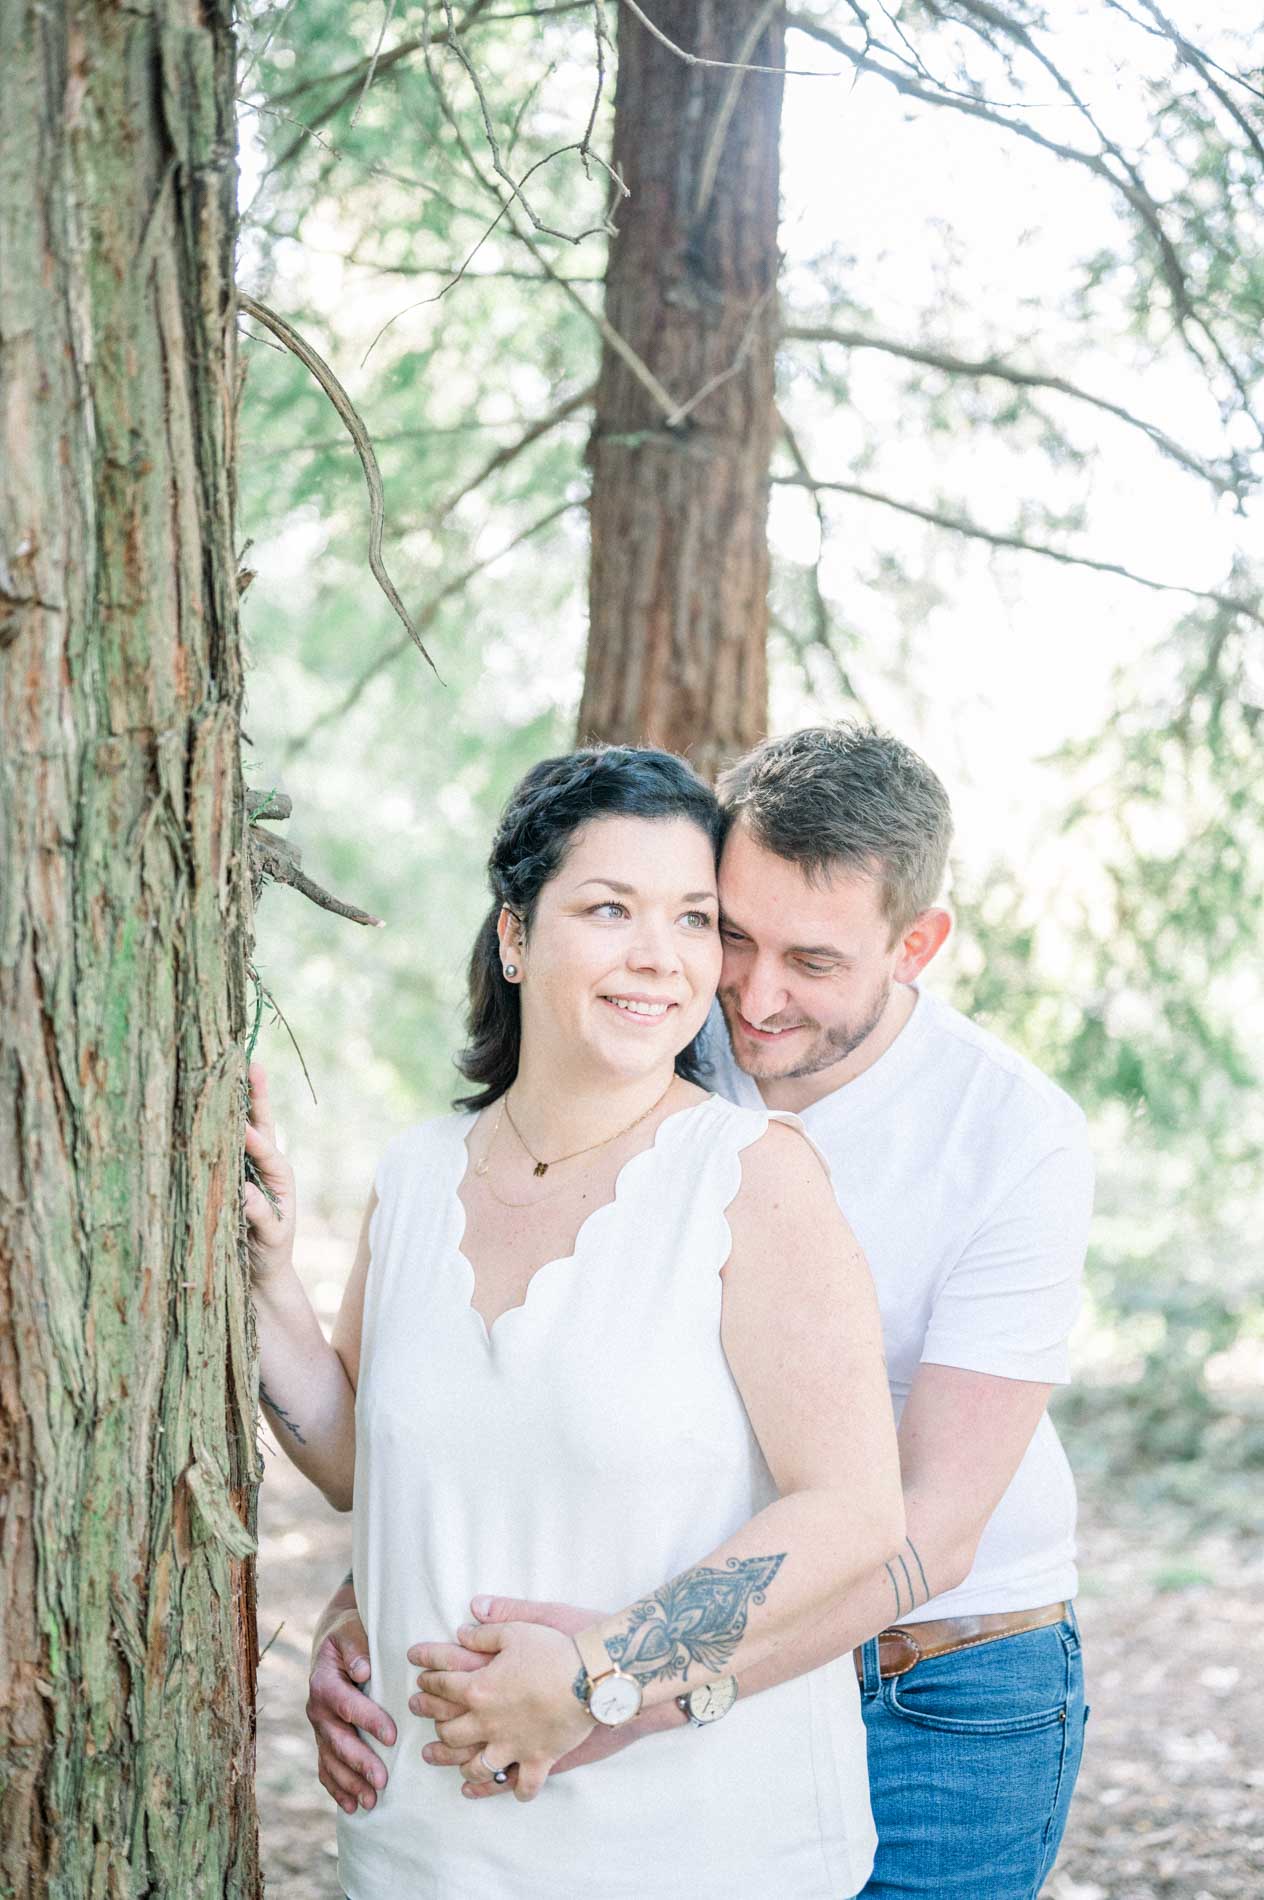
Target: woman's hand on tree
(520,1708)
(269,1198)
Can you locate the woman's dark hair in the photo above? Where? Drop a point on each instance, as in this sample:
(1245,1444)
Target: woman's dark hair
(545,810)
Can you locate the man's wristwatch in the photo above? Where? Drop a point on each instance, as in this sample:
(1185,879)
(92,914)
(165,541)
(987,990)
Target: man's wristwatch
(611,1697)
(709,1701)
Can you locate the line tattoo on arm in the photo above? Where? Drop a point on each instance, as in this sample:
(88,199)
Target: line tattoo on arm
(278,1411)
(695,1621)
(904,1583)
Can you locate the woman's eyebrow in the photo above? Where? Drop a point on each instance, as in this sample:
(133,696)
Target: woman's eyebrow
(629,890)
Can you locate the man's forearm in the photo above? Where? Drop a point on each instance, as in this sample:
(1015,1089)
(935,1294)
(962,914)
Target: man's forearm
(340,1603)
(927,1564)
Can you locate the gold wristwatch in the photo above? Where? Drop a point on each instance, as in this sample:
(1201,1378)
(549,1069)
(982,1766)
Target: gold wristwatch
(612,1697)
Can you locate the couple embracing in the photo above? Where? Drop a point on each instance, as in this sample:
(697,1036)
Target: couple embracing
(714,1333)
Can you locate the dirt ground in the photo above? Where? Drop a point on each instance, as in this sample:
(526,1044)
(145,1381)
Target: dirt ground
(1170,1804)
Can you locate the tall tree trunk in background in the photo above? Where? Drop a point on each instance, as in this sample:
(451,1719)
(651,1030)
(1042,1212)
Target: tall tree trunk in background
(679,578)
(126,1414)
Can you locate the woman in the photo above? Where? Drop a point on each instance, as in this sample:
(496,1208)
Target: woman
(608,1340)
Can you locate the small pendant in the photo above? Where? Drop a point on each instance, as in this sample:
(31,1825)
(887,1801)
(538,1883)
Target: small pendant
(541,1167)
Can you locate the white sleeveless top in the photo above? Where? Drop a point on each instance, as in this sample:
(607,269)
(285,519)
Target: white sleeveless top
(593,1447)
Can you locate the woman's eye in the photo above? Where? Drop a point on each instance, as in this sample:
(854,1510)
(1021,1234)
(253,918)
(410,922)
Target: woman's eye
(699,919)
(610,907)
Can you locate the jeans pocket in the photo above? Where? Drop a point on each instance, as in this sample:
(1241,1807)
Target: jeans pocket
(1014,1686)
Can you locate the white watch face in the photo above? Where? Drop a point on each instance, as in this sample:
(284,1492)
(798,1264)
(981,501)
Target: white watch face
(712,1699)
(615,1699)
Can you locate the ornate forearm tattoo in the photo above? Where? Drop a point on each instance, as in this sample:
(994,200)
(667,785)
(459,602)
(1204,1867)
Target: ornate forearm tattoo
(906,1581)
(696,1620)
(277,1411)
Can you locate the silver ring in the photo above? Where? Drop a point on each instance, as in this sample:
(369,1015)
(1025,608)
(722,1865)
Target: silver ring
(499,1775)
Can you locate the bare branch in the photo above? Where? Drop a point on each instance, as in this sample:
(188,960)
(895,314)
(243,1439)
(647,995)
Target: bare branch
(722,376)
(338,396)
(357,80)
(599,36)
(618,343)
(313,445)
(427,615)
(511,450)
(644,374)
(476,17)
(992,366)
(708,171)
(721,65)
(961,524)
(273,30)
(274,858)
(337,154)
(1137,192)
(1130,187)
(1203,65)
(604,229)
(373,63)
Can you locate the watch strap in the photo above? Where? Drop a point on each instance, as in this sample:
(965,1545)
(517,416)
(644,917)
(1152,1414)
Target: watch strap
(594,1655)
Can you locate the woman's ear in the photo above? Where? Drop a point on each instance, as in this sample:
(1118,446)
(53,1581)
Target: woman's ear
(512,943)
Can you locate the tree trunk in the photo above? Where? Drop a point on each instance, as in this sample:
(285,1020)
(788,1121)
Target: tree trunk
(679,578)
(126,1403)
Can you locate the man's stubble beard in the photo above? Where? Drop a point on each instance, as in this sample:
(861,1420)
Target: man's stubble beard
(831,1046)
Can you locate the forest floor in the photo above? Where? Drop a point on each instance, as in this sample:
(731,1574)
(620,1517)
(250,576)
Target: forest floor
(1170,1804)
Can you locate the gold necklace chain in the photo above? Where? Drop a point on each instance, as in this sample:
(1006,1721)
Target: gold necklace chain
(480,1169)
(542,1167)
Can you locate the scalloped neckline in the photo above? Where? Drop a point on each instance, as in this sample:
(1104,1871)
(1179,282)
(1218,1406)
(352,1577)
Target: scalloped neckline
(560,1261)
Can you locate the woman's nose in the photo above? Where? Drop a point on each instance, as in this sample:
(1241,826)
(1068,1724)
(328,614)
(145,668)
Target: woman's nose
(653,948)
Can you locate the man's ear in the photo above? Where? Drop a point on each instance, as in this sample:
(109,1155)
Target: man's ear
(923,939)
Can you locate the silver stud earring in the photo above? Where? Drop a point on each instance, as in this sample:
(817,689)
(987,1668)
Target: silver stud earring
(511,970)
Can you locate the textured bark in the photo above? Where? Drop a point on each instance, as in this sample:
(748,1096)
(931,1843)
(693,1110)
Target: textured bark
(679,577)
(126,1409)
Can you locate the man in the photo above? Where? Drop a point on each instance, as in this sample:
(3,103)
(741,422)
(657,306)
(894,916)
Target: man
(966,1176)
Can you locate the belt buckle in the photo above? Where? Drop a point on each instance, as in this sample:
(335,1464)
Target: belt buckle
(898,1652)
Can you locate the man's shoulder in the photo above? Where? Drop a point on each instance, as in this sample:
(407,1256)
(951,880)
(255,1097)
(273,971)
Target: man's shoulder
(999,1078)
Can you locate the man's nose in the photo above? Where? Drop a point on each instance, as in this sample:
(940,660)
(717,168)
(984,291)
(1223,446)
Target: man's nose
(763,993)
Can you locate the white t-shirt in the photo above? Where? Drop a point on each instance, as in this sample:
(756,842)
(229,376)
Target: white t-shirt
(966,1176)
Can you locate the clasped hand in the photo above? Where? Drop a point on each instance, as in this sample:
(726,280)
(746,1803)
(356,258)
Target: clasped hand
(519,1708)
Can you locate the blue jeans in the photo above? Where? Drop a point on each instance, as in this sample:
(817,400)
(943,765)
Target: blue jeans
(972,1764)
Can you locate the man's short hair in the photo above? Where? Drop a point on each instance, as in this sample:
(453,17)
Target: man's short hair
(847,799)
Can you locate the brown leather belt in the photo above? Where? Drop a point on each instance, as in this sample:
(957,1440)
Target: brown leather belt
(904,1645)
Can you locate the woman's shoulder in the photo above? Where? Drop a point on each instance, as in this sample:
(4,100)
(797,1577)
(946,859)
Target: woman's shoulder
(766,1133)
(422,1142)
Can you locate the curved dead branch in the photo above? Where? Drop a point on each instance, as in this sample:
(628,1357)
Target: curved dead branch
(338,396)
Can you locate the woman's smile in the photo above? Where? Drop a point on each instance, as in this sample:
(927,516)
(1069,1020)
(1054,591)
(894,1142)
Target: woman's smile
(644,1009)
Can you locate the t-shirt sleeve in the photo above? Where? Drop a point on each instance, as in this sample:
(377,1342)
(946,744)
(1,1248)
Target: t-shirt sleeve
(1009,1303)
